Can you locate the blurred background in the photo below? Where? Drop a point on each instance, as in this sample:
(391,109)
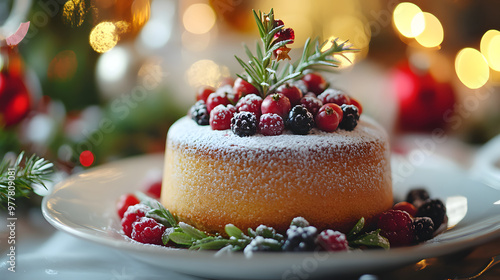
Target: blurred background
(98,80)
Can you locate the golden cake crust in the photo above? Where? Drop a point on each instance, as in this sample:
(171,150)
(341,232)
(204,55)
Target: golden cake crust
(213,178)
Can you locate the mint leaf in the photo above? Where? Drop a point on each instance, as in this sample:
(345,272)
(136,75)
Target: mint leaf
(371,239)
(356,229)
(192,231)
(235,232)
(181,238)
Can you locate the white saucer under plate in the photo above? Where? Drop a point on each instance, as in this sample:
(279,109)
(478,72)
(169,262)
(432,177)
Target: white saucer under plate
(84,205)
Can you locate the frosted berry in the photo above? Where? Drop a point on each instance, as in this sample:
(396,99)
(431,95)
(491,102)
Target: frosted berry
(147,231)
(199,113)
(397,227)
(277,104)
(242,88)
(278,22)
(406,206)
(356,103)
(271,124)
(292,92)
(350,117)
(417,197)
(220,117)
(315,83)
(244,124)
(302,86)
(203,93)
(424,229)
(334,96)
(124,202)
(219,97)
(285,34)
(133,213)
(299,222)
(300,239)
(433,209)
(329,117)
(311,103)
(154,190)
(250,103)
(333,241)
(300,121)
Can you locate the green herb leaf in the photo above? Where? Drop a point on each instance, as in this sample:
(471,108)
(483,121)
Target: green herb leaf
(371,239)
(181,238)
(165,238)
(192,231)
(356,229)
(235,232)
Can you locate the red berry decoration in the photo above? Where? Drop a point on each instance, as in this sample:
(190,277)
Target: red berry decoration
(292,92)
(285,34)
(124,202)
(315,83)
(271,124)
(242,88)
(333,241)
(203,93)
(278,22)
(147,231)
(219,97)
(277,104)
(154,190)
(334,96)
(406,206)
(133,214)
(397,227)
(356,103)
(311,103)
(329,117)
(15,101)
(220,117)
(250,103)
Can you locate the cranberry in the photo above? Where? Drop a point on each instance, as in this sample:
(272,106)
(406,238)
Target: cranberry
(315,83)
(334,96)
(292,92)
(407,207)
(397,227)
(285,34)
(203,93)
(220,117)
(356,103)
(242,88)
(250,103)
(278,22)
(271,124)
(276,103)
(311,103)
(124,202)
(219,97)
(147,231)
(329,117)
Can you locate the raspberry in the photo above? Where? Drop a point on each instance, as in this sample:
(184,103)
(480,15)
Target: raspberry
(311,103)
(329,117)
(397,227)
(315,83)
(300,239)
(244,124)
(424,229)
(124,202)
(285,34)
(271,124)
(199,113)
(276,103)
(334,96)
(350,118)
(300,121)
(250,103)
(433,209)
(356,103)
(148,231)
(219,97)
(133,213)
(292,92)
(417,197)
(220,117)
(406,206)
(242,88)
(154,189)
(203,93)
(333,241)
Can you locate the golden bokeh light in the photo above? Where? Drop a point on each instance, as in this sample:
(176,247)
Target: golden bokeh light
(302,29)
(490,48)
(206,73)
(103,37)
(408,19)
(472,68)
(74,12)
(349,27)
(433,33)
(141,10)
(199,18)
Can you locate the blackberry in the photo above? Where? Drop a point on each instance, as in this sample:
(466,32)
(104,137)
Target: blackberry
(350,118)
(300,121)
(244,124)
(300,239)
(434,209)
(423,228)
(199,113)
(417,197)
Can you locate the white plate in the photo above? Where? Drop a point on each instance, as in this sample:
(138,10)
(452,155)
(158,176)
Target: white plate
(84,205)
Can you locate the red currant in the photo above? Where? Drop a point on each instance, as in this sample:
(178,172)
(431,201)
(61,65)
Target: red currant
(329,117)
(250,103)
(203,93)
(315,83)
(292,92)
(407,207)
(276,103)
(271,124)
(217,98)
(356,103)
(220,117)
(334,96)
(311,103)
(124,202)
(397,227)
(242,88)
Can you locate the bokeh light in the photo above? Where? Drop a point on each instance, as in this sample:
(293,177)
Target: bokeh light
(63,66)
(74,12)
(349,27)
(472,68)
(86,158)
(199,18)
(206,72)
(433,33)
(141,11)
(103,37)
(490,48)
(409,19)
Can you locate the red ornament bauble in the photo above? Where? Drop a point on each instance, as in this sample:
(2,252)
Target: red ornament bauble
(424,103)
(15,101)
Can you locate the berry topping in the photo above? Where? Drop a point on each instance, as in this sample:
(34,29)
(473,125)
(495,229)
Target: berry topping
(271,124)
(261,244)
(433,209)
(417,197)
(333,241)
(250,103)
(302,86)
(278,22)
(242,88)
(203,93)
(220,117)
(154,189)
(406,206)
(219,97)
(148,231)
(315,83)
(244,124)
(424,229)
(356,103)
(334,96)
(277,104)
(350,118)
(199,113)
(397,227)
(300,239)
(285,34)
(329,117)
(300,222)
(124,202)
(311,103)
(292,92)
(300,121)
(133,213)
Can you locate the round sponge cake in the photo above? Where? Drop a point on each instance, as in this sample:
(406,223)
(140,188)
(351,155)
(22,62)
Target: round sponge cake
(213,178)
